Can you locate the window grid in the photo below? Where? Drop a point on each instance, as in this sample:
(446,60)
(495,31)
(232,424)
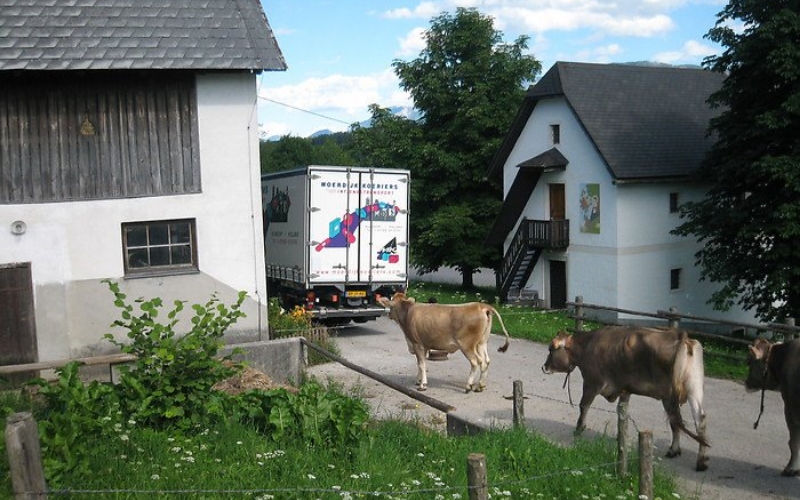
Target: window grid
(159,246)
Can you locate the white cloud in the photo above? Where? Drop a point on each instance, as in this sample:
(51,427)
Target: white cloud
(332,102)
(412,44)
(689,52)
(425,10)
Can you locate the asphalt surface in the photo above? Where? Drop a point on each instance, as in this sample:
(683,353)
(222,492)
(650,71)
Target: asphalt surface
(745,463)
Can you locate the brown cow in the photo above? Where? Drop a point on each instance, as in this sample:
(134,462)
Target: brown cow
(446,327)
(777,367)
(618,361)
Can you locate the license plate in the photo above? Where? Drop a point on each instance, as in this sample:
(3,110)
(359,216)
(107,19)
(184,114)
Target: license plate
(356,293)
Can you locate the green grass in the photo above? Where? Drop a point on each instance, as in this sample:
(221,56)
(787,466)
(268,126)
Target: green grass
(542,325)
(399,459)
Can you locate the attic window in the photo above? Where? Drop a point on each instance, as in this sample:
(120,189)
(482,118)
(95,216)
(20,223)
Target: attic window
(555,133)
(673,203)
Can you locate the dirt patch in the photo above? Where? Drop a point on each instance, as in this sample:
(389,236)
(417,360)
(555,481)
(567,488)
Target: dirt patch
(247,379)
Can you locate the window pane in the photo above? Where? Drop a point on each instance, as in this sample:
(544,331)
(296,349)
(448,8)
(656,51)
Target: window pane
(136,236)
(137,258)
(159,234)
(182,254)
(180,233)
(159,256)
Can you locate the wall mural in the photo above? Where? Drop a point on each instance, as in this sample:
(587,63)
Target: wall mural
(590,208)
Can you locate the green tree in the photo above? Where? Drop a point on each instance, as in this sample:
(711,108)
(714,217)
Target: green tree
(749,222)
(467,84)
(293,152)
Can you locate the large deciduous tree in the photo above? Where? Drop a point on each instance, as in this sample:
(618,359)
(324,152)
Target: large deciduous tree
(749,222)
(467,85)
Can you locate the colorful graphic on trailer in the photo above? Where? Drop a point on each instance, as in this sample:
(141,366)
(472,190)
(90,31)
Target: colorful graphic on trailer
(342,230)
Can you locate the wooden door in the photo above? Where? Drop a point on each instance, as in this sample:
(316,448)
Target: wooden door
(558,208)
(17,325)
(558,284)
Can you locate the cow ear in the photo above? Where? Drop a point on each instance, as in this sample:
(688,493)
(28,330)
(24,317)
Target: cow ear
(383,301)
(411,300)
(567,341)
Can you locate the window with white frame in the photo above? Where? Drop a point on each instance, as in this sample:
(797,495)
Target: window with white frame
(159,247)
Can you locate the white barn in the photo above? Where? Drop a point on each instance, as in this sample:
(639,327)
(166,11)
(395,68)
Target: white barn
(128,151)
(594,168)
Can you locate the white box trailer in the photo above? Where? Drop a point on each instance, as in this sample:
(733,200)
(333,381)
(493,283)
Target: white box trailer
(336,238)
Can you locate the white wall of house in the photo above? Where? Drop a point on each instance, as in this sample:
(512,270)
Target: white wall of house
(72,246)
(627,265)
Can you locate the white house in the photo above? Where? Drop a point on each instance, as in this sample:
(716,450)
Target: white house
(128,151)
(594,167)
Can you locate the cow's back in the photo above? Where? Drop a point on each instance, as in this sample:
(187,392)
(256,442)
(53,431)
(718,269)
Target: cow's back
(637,360)
(435,325)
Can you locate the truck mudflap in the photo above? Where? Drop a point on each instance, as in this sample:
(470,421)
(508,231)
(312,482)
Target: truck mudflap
(361,312)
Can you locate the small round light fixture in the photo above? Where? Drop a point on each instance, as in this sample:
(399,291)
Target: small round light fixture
(18,227)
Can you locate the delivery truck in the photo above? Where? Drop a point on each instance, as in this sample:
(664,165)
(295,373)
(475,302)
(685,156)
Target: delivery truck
(336,239)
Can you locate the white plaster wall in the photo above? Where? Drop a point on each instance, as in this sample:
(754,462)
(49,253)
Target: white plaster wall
(74,245)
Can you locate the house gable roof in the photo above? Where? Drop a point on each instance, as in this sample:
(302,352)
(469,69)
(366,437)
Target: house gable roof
(136,35)
(646,122)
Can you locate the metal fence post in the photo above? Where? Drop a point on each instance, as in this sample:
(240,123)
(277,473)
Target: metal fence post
(791,336)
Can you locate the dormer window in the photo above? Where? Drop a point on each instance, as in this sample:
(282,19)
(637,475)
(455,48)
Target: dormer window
(555,133)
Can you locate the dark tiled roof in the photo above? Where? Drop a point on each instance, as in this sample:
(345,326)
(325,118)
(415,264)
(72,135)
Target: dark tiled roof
(647,122)
(136,34)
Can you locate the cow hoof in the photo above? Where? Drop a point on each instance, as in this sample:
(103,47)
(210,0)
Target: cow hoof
(790,472)
(673,454)
(702,465)
(579,430)
(422,388)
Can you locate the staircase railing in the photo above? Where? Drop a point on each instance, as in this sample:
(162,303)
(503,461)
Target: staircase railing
(542,234)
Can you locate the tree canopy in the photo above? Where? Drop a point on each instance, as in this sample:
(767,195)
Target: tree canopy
(293,152)
(467,84)
(749,221)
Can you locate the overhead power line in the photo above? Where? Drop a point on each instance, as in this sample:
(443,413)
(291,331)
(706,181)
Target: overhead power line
(304,110)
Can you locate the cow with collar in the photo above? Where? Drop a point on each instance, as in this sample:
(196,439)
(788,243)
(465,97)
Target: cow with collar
(446,327)
(618,361)
(776,366)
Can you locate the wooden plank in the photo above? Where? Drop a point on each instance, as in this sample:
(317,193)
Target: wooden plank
(109,359)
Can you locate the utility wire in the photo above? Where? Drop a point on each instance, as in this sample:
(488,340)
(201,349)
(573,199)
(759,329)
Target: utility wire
(304,110)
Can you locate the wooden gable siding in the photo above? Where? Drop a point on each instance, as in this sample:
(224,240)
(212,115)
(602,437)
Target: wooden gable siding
(84,138)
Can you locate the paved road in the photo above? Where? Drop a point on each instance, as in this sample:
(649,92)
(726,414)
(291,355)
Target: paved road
(744,463)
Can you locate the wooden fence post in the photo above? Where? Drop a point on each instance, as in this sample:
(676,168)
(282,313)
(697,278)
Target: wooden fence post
(476,477)
(25,457)
(519,407)
(791,336)
(646,465)
(674,322)
(579,313)
(622,437)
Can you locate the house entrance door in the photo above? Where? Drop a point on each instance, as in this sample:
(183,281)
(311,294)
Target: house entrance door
(17,325)
(558,284)
(558,209)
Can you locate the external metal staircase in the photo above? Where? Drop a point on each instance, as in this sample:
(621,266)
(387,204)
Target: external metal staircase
(529,242)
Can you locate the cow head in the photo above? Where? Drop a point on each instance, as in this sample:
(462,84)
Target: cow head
(559,359)
(758,374)
(397,305)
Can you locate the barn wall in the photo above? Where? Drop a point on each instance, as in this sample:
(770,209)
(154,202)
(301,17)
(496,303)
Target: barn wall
(97,137)
(72,246)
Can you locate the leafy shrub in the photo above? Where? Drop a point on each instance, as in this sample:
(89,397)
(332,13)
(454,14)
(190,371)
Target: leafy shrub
(170,382)
(314,414)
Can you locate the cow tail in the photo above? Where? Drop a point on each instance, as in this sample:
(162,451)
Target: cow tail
(504,347)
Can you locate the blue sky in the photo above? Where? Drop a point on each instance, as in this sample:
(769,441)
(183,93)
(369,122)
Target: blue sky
(339,52)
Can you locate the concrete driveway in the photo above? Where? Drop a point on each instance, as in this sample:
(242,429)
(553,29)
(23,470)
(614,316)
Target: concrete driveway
(744,463)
